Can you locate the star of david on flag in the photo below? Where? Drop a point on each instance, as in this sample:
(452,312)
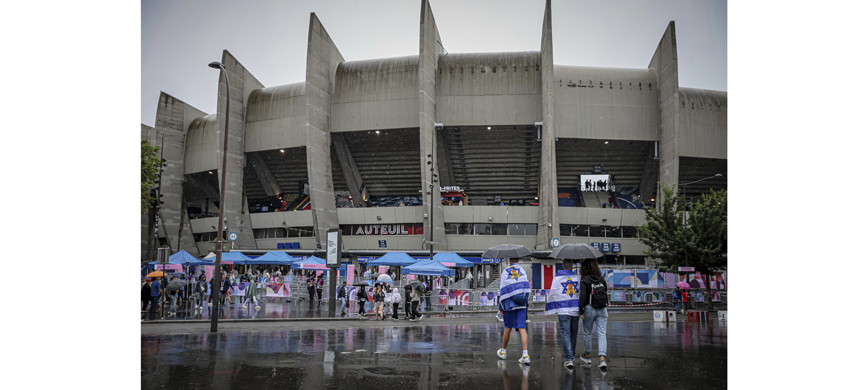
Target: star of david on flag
(569,288)
(514,273)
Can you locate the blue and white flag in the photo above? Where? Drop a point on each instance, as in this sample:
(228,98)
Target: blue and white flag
(515,288)
(564,298)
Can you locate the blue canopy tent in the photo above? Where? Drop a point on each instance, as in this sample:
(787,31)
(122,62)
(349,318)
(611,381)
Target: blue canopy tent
(429,268)
(310,263)
(450,257)
(399,259)
(183,258)
(234,257)
(272,258)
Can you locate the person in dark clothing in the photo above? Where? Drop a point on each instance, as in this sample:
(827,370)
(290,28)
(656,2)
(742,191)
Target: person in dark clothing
(593,310)
(340,296)
(362,299)
(145,295)
(407,300)
(319,286)
(310,287)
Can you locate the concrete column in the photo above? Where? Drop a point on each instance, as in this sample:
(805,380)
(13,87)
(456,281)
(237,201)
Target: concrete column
(649,181)
(548,221)
(430,50)
(242,83)
(322,58)
(353,180)
(666,65)
(265,177)
(173,118)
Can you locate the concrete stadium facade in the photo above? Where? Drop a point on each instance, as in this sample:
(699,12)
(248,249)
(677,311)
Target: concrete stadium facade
(503,127)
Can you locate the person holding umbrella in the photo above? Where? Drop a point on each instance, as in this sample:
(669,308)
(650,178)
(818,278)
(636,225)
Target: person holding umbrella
(407,290)
(378,298)
(395,299)
(415,301)
(173,289)
(564,301)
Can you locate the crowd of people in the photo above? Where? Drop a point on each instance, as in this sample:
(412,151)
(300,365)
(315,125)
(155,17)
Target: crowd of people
(582,297)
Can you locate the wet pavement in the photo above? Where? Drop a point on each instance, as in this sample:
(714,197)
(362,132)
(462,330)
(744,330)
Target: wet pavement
(437,352)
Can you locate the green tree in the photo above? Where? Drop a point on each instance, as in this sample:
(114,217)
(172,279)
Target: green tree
(149,171)
(705,241)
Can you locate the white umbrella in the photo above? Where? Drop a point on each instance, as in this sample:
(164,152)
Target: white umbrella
(384,278)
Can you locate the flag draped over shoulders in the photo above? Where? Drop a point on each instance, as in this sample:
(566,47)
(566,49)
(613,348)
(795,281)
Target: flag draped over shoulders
(514,289)
(564,298)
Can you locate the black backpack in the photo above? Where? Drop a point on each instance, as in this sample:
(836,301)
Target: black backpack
(597,294)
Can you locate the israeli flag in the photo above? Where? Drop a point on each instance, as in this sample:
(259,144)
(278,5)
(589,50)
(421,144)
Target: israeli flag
(515,288)
(564,298)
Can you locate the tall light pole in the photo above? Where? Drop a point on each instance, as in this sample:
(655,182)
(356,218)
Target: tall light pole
(685,201)
(217,274)
(432,182)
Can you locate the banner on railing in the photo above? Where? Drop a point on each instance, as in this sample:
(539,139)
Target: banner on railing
(488,298)
(278,290)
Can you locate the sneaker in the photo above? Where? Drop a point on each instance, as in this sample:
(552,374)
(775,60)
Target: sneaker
(421,317)
(569,364)
(585,358)
(499,317)
(502,355)
(525,359)
(603,364)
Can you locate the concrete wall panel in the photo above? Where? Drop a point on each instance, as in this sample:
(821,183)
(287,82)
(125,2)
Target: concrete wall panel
(703,123)
(606,103)
(376,94)
(488,89)
(276,118)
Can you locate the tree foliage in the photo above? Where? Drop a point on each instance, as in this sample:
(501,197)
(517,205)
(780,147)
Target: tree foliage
(149,171)
(705,241)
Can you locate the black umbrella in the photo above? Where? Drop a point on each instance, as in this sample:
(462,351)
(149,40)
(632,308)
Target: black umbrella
(576,252)
(175,285)
(415,283)
(507,251)
(360,284)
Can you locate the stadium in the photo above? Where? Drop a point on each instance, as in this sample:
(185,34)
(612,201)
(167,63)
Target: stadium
(523,151)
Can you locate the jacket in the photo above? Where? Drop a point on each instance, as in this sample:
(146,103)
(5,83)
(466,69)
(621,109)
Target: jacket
(415,296)
(586,289)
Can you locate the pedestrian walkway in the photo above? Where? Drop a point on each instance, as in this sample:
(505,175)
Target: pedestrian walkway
(293,309)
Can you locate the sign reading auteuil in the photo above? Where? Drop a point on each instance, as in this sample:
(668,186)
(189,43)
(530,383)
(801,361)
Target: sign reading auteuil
(398,229)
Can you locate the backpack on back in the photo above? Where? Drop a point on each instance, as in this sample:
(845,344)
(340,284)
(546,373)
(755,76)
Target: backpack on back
(598,294)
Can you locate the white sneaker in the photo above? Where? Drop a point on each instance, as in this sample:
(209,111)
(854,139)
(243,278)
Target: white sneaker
(603,364)
(499,317)
(525,359)
(569,364)
(258,308)
(585,359)
(502,355)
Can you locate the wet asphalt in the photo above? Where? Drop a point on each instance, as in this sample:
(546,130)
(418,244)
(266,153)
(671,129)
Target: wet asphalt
(441,351)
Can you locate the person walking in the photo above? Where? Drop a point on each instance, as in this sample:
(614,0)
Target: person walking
(395,299)
(564,301)
(593,310)
(145,295)
(340,296)
(319,286)
(407,290)
(513,303)
(251,293)
(155,290)
(226,292)
(310,287)
(415,302)
(385,289)
(378,299)
(677,298)
(362,299)
(201,290)
(686,298)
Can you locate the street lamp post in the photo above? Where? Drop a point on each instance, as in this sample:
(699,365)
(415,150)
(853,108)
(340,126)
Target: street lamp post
(217,274)
(685,201)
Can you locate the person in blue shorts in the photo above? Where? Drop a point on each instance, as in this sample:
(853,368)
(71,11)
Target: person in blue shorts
(513,303)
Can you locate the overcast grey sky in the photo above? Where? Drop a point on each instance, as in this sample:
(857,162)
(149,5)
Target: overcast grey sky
(179,38)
